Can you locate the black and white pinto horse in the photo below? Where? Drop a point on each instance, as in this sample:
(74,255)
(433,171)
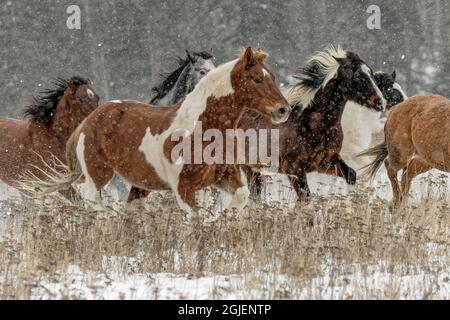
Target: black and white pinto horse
(175,86)
(361,125)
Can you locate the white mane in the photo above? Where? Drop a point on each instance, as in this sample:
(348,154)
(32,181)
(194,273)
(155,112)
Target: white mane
(303,92)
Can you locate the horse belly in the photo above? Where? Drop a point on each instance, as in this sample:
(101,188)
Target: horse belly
(431,138)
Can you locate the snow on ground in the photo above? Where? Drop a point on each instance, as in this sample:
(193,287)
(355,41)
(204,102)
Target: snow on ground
(378,282)
(278,190)
(164,286)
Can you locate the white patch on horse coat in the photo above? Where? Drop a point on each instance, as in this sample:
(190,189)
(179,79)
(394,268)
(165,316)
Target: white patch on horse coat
(88,188)
(397,87)
(116,101)
(266,73)
(216,83)
(366,70)
(358,124)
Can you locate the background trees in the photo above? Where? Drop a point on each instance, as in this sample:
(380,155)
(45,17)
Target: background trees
(124,46)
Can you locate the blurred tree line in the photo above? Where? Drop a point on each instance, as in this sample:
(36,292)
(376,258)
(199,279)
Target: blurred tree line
(124,46)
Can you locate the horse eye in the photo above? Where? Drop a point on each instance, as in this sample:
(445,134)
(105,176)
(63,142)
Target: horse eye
(203,72)
(258,80)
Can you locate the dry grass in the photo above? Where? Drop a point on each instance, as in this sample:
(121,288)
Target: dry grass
(317,247)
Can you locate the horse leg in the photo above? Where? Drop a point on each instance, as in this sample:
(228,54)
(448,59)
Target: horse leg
(135,198)
(255,182)
(339,168)
(300,185)
(235,184)
(414,168)
(392,175)
(93,184)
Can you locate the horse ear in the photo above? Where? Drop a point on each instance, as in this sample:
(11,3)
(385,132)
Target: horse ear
(72,86)
(394,75)
(248,58)
(191,59)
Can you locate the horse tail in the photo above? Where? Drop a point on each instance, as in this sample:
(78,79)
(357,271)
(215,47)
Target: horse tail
(380,152)
(56,174)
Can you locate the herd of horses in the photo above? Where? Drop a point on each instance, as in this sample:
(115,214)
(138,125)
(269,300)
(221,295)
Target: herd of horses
(326,119)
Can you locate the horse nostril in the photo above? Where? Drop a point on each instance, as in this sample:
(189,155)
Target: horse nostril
(283,110)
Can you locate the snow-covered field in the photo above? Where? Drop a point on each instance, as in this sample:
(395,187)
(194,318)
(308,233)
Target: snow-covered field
(340,246)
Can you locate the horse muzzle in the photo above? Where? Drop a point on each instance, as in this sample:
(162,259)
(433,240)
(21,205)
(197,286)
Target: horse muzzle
(377,103)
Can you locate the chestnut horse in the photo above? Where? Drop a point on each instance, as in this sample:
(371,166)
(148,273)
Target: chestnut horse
(134,141)
(311,139)
(26,146)
(417,139)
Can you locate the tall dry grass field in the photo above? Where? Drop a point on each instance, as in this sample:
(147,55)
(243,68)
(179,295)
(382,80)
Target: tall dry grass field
(335,247)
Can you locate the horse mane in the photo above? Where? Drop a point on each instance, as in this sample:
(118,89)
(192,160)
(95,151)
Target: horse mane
(43,106)
(319,70)
(171,78)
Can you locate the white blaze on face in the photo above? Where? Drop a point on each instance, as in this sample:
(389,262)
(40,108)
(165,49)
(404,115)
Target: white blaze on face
(366,70)
(266,73)
(397,87)
(90,93)
(216,83)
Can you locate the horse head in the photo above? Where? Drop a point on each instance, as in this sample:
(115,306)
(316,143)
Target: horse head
(70,101)
(255,87)
(390,88)
(200,64)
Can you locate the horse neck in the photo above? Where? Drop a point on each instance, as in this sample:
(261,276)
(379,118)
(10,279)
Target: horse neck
(66,119)
(221,114)
(328,106)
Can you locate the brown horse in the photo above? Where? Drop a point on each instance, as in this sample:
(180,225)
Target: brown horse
(417,139)
(311,139)
(26,146)
(136,142)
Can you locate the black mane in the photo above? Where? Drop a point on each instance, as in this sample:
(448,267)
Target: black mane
(172,78)
(310,75)
(43,106)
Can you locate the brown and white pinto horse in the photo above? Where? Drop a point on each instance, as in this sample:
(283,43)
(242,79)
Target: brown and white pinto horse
(134,141)
(417,139)
(26,146)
